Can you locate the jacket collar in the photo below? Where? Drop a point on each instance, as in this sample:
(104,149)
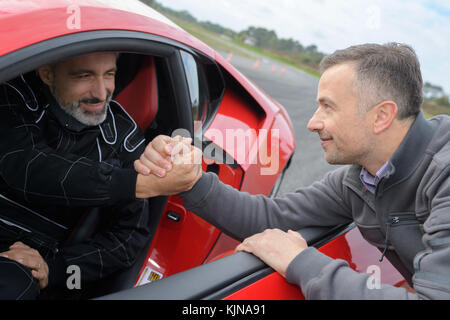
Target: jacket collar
(411,151)
(63,118)
(405,159)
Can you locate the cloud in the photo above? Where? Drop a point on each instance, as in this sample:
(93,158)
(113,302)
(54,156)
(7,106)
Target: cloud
(332,25)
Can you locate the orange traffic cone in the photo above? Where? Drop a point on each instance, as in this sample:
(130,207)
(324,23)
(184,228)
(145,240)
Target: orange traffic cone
(256,65)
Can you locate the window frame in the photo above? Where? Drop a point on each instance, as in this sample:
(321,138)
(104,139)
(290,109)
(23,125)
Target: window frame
(211,76)
(50,51)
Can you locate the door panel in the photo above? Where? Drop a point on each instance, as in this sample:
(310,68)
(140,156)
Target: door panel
(224,277)
(351,247)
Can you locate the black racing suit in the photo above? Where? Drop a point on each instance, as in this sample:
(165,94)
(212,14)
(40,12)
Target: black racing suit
(53,168)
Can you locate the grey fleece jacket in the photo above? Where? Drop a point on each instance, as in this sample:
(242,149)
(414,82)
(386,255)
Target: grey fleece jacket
(409,214)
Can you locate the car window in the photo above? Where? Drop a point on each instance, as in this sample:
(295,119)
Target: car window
(198,90)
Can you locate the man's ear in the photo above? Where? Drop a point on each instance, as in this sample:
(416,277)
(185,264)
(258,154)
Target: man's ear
(47,75)
(384,114)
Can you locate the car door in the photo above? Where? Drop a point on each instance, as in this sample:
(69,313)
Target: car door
(219,105)
(242,276)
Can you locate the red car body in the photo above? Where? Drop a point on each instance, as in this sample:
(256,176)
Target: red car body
(34,32)
(189,241)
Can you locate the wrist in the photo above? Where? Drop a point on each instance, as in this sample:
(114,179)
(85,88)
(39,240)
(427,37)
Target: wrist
(146,186)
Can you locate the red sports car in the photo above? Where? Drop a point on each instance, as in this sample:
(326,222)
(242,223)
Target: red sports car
(170,82)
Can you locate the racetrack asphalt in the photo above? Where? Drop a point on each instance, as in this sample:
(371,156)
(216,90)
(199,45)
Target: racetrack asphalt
(297,92)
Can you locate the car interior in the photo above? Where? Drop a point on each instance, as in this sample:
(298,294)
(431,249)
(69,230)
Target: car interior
(141,87)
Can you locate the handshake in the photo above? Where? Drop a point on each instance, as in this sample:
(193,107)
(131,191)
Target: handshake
(168,166)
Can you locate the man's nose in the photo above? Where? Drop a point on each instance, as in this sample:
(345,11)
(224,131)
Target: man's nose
(100,89)
(315,124)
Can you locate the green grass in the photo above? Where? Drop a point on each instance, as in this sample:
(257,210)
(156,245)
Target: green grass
(210,38)
(279,58)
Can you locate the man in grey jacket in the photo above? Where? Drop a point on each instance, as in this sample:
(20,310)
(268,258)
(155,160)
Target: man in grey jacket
(395,187)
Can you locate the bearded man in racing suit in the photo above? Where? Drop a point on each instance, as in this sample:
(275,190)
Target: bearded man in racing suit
(65,149)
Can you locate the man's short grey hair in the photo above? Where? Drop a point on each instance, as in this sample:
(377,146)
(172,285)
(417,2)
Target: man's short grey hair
(383,72)
(54,64)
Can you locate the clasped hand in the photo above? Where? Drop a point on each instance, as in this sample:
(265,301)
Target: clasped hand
(176,166)
(168,166)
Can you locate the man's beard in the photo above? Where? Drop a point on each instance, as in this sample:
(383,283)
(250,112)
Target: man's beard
(340,154)
(89,118)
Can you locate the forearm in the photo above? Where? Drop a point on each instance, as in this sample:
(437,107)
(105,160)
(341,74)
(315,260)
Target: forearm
(323,278)
(241,215)
(49,178)
(34,172)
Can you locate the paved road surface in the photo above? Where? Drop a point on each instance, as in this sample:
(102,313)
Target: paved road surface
(296,91)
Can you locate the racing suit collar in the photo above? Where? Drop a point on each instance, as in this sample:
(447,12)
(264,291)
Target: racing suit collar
(107,127)
(64,119)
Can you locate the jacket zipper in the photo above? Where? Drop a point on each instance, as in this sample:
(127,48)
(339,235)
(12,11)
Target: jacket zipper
(397,219)
(392,221)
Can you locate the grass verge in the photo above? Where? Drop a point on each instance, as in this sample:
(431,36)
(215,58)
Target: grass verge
(222,43)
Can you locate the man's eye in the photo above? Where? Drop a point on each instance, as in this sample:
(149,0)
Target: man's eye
(83,76)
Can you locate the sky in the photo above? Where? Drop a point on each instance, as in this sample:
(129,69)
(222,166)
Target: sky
(336,24)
